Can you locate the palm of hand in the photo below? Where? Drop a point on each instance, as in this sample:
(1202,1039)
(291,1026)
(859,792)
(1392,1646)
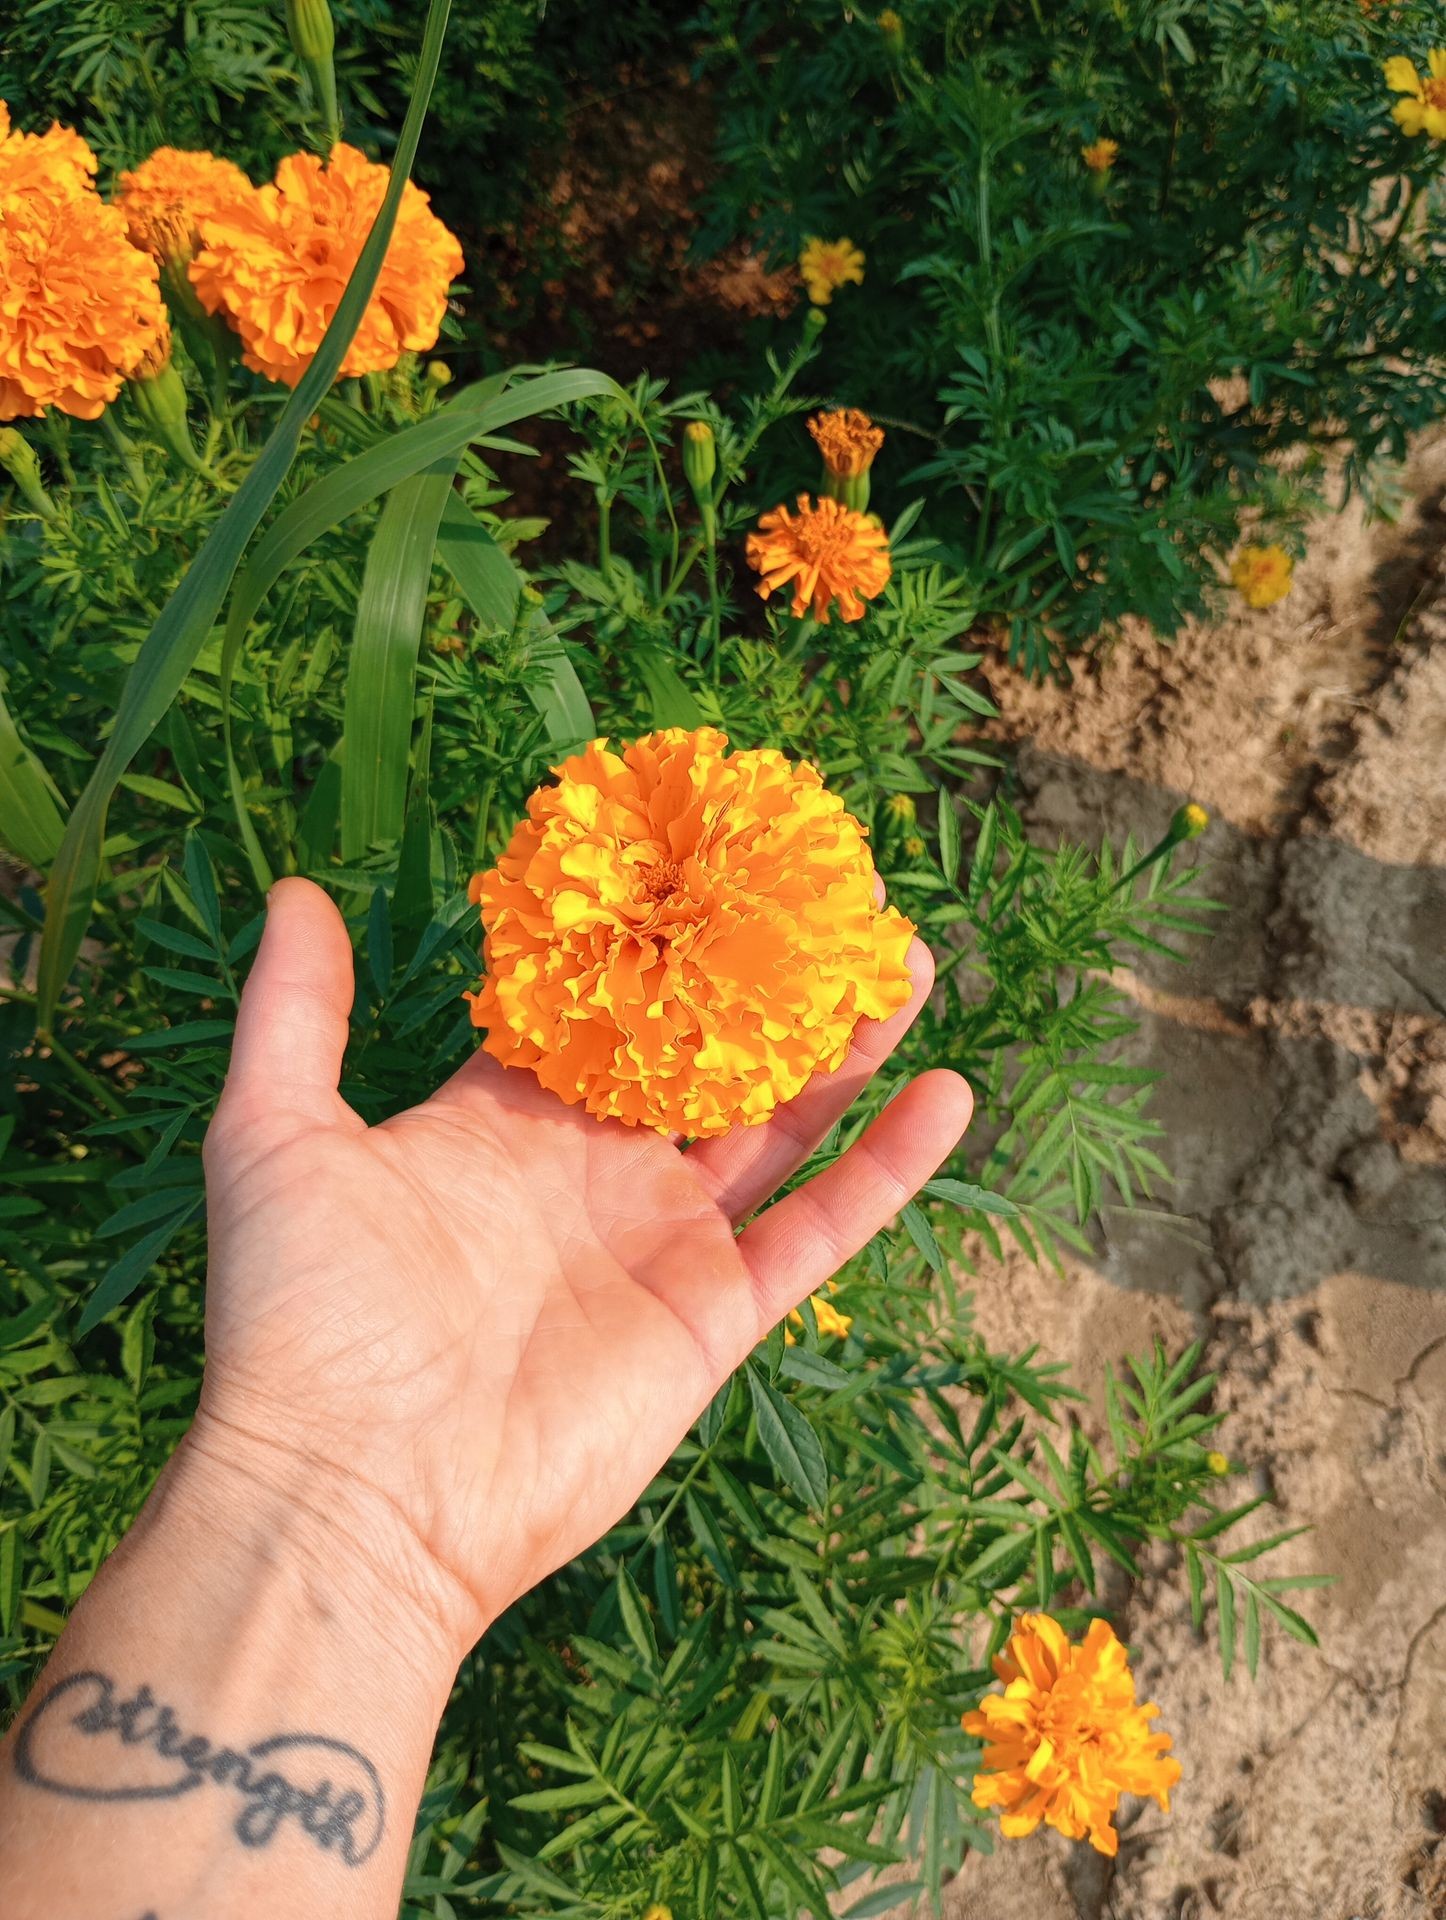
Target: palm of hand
(494,1310)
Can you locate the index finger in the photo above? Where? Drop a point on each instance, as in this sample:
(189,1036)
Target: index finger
(741,1169)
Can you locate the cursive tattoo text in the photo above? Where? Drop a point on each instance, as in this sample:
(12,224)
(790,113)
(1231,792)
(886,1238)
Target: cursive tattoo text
(83,1740)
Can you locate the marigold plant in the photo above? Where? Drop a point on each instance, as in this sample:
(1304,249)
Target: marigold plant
(681,937)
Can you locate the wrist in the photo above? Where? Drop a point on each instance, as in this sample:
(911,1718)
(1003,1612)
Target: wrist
(343,1550)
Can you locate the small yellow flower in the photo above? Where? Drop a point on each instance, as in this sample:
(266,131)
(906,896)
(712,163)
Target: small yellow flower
(901,806)
(826,1314)
(1100,155)
(914,847)
(1262,575)
(1424,108)
(658,1912)
(826,265)
(1217,1463)
(1066,1739)
(1190,822)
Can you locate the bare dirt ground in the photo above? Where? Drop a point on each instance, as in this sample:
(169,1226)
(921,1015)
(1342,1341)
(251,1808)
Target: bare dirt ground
(1304,1238)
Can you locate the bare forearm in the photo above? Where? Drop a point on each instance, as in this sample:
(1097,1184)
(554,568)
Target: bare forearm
(239,1718)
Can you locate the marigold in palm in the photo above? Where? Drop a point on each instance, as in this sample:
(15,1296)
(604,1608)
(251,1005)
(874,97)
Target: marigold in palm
(831,1324)
(680,937)
(828,554)
(1262,575)
(276,261)
(79,305)
(827,265)
(1066,1739)
(1423,109)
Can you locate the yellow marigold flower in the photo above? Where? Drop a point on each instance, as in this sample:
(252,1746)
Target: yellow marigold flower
(79,305)
(1262,574)
(1100,155)
(1066,1738)
(847,439)
(276,261)
(829,553)
(171,192)
(57,165)
(827,1317)
(901,806)
(681,937)
(1217,1463)
(1424,109)
(826,265)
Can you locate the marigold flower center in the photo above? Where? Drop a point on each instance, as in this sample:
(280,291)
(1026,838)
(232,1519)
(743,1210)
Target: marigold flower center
(1433,91)
(662,880)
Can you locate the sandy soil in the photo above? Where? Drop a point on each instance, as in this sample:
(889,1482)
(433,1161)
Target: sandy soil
(1304,1238)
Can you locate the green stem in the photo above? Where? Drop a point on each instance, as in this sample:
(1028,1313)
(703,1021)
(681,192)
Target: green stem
(126,448)
(715,611)
(605,536)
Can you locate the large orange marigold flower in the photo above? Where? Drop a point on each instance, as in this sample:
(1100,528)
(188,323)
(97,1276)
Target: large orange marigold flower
(829,553)
(1066,1738)
(79,305)
(276,261)
(172,191)
(58,164)
(680,937)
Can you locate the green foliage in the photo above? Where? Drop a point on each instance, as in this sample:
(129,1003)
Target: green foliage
(1099,374)
(749,1692)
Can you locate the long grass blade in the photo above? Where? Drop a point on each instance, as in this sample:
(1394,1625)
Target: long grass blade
(171,647)
(31,825)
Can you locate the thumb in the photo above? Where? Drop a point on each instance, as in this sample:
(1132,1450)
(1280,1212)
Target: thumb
(291,1030)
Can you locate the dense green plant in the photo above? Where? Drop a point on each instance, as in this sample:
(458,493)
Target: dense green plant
(763,1666)
(1103,377)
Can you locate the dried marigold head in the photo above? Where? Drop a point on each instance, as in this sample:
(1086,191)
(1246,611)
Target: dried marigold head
(1100,155)
(171,192)
(276,261)
(847,440)
(79,305)
(1263,575)
(1423,109)
(681,937)
(56,165)
(827,551)
(1066,1738)
(827,265)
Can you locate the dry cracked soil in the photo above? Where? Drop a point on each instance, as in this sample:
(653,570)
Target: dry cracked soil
(1303,1049)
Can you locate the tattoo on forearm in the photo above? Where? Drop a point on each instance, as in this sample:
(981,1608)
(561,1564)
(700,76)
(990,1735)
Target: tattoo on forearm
(83,1740)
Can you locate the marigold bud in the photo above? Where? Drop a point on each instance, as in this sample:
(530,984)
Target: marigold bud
(159,394)
(891,27)
(1189,823)
(658,1912)
(914,847)
(313,38)
(700,459)
(1217,1463)
(439,374)
(814,322)
(901,806)
(17,457)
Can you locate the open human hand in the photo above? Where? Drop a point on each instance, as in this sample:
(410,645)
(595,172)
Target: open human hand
(488,1321)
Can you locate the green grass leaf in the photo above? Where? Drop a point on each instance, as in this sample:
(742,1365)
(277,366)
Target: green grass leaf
(31,826)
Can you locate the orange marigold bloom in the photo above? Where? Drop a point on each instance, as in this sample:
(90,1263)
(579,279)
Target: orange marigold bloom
(828,551)
(681,937)
(79,305)
(1263,575)
(168,195)
(276,262)
(827,265)
(847,439)
(1100,155)
(57,164)
(1066,1738)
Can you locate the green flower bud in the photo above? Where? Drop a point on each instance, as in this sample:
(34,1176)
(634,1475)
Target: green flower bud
(814,322)
(439,374)
(17,457)
(313,39)
(159,394)
(891,27)
(1189,823)
(700,460)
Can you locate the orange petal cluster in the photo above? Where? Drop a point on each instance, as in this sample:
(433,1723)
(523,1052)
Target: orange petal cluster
(79,305)
(847,440)
(168,195)
(829,1321)
(1100,155)
(680,937)
(826,551)
(1066,1738)
(275,262)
